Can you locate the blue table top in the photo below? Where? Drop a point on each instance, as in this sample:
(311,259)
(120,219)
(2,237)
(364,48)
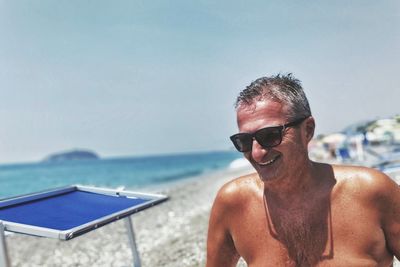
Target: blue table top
(67,210)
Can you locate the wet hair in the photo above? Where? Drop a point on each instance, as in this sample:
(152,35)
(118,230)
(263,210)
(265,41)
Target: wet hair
(282,88)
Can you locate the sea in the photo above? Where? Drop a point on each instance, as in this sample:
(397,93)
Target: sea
(133,173)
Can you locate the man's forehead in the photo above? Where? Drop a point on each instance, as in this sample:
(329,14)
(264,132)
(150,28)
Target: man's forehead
(266,106)
(261,114)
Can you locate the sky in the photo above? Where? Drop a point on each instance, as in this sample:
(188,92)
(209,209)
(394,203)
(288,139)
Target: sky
(126,78)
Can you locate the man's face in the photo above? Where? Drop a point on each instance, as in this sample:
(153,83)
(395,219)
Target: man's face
(281,161)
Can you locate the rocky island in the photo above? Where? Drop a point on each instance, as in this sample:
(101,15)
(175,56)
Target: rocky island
(72,155)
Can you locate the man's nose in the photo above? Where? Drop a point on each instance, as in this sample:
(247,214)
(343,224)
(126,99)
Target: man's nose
(258,152)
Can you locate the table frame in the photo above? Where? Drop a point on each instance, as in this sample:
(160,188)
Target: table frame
(153,199)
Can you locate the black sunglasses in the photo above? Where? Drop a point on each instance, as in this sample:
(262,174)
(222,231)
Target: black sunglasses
(267,137)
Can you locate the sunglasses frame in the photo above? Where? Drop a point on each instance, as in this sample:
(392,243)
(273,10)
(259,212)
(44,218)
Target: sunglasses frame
(253,136)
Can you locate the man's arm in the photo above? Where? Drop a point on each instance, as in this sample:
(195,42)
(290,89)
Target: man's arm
(220,247)
(388,199)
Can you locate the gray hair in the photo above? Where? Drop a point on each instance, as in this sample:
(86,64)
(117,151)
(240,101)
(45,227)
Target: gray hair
(282,88)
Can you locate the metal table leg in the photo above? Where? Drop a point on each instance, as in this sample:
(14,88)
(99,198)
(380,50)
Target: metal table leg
(131,234)
(4,261)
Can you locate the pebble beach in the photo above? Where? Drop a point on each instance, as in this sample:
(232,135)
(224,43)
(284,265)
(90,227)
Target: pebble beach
(172,234)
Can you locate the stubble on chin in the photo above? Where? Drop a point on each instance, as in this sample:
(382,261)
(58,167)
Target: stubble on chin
(266,176)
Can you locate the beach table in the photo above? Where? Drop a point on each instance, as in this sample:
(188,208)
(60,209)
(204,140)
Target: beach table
(68,212)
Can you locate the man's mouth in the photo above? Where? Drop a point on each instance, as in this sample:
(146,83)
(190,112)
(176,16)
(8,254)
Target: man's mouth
(269,162)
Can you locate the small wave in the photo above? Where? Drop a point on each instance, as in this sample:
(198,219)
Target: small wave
(177,176)
(239,164)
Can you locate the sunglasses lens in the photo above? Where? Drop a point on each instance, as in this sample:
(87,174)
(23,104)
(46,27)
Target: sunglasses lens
(269,137)
(242,142)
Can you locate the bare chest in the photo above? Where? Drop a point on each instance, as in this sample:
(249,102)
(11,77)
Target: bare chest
(346,233)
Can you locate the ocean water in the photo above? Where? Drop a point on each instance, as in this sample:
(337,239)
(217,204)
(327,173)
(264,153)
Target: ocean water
(131,172)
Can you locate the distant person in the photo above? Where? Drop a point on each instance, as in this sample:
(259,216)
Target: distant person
(293,211)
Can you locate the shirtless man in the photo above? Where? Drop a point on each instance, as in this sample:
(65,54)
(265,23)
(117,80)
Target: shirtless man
(293,211)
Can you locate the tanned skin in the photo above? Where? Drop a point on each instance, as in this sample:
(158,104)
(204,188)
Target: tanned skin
(296,212)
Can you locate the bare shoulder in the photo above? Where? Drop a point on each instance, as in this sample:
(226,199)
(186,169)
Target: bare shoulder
(230,201)
(239,190)
(363,181)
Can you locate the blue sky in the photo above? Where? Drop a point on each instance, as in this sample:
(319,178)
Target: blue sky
(148,77)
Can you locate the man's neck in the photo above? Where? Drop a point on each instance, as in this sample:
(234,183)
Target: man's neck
(297,186)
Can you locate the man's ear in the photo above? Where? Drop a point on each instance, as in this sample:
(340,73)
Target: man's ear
(310,128)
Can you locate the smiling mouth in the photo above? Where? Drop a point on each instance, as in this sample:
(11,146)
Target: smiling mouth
(269,162)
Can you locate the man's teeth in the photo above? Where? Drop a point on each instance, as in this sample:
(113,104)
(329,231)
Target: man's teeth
(269,162)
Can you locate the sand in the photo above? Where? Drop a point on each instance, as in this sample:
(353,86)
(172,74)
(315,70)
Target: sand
(172,234)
